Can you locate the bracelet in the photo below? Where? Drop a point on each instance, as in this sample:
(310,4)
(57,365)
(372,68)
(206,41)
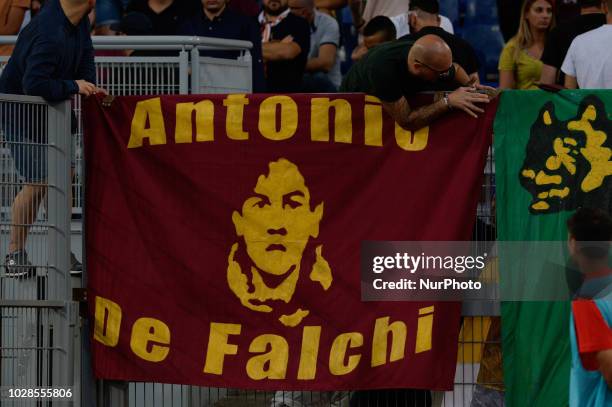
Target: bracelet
(446,101)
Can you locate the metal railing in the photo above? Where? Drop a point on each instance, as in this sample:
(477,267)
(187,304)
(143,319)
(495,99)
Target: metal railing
(38,320)
(180,69)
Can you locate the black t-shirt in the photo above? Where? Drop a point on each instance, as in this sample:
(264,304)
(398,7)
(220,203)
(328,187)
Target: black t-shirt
(561,37)
(286,76)
(383,72)
(463,53)
(168,21)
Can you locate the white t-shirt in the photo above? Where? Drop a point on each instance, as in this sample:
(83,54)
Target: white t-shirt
(387,8)
(589,59)
(402,27)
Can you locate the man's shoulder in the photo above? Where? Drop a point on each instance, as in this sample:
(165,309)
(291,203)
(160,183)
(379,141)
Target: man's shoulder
(327,29)
(382,59)
(38,31)
(587,38)
(325,20)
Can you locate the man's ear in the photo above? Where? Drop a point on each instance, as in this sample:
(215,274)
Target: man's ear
(317,216)
(411,19)
(238,222)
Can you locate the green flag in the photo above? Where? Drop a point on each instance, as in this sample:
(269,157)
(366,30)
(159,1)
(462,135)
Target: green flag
(553,155)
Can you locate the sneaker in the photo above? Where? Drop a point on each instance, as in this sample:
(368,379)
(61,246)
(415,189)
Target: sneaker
(17,265)
(76,267)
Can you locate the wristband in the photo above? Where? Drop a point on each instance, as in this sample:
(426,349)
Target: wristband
(447,102)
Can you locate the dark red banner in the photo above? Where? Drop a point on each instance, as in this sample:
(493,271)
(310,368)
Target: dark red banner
(224,232)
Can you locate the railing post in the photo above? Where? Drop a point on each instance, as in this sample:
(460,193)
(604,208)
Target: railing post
(59,138)
(183,72)
(248,58)
(195,70)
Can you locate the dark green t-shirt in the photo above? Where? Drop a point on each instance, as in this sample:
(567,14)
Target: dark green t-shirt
(383,72)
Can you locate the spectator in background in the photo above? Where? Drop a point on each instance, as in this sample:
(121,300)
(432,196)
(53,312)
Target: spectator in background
(424,20)
(12,13)
(378,30)
(520,66)
(215,19)
(286,43)
(165,15)
(323,65)
(588,63)
(109,12)
(591,16)
(590,231)
(402,21)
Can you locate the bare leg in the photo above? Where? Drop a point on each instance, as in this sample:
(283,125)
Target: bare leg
(23,213)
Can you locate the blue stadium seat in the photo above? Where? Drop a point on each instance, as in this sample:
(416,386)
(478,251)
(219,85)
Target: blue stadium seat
(481,12)
(488,43)
(450,9)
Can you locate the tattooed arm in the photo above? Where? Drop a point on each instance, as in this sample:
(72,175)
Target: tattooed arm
(409,119)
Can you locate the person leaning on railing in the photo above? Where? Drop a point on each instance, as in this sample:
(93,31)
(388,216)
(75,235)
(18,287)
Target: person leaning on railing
(54,59)
(397,70)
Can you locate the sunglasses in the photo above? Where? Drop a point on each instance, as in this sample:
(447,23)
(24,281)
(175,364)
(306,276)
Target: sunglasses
(442,75)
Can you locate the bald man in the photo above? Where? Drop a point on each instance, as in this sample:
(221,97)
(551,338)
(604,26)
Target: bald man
(54,59)
(394,71)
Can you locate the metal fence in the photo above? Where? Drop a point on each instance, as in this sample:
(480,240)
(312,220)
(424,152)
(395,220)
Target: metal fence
(30,329)
(156,66)
(38,320)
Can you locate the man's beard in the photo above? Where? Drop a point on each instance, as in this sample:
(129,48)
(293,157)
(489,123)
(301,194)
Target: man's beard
(281,9)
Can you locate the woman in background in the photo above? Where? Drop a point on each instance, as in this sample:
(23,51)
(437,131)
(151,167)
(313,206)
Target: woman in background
(519,64)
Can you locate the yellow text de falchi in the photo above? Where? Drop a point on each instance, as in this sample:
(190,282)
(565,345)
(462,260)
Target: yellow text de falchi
(267,355)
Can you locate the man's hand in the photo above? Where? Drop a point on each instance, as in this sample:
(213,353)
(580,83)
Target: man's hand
(287,40)
(86,88)
(465,99)
(489,90)
(605,365)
